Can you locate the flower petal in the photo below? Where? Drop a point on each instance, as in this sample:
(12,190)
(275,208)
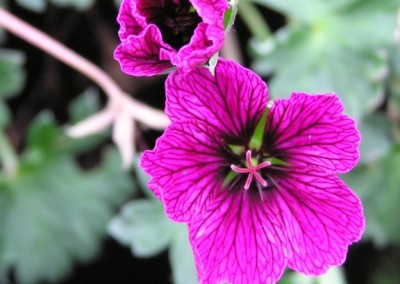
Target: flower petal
(185,168)
(239,241)
(205,42)
(130,20)
(211,11)
(322,216)
(139,55)
(313,132)
(232,100)
(208,37)
(140,49)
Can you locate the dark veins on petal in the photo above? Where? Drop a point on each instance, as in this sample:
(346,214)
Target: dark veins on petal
(176,22)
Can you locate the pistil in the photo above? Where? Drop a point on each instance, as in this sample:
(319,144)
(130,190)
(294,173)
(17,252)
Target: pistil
(252,171)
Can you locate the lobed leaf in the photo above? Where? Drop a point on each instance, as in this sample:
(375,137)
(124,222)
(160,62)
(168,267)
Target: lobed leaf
(12,74)
(333,47)
(52,212)
(377,185)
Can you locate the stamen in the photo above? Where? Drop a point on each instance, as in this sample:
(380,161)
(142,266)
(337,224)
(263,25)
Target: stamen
(252,171)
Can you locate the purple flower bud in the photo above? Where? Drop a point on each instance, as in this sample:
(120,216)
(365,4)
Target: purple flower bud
(157,35)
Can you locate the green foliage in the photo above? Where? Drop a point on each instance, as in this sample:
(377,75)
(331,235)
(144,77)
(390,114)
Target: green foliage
(40,6)
(143,225)
(230,14)
(333,276)
(330,46)
(394,83)
(375,137)
(52,213)
(46,139)
(12,75)
(377,184)
(86,104)
(4,115)
(256,140)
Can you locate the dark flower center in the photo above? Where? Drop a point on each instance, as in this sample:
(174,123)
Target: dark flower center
(253,171)
(176,22)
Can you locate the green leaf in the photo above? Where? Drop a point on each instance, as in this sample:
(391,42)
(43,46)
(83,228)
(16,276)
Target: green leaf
(304,64)
(181,257)
(277,162)
(334,275)
(37,6)
(143,226)
(229,178)
(375,137)
(212,63)
(230,14)
(12,74)
(143,179)
(237,149)
(364,19)
(378,187)
(45,139)
(394,83)
(56,214)
(333,49)
(4,115)
(307,10)
(44,135)
(85,105)
(256,140)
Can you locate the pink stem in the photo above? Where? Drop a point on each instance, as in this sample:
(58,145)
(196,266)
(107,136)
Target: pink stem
(147,115)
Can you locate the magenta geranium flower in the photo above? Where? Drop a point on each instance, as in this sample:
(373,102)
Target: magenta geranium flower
(256,184)
(159,34)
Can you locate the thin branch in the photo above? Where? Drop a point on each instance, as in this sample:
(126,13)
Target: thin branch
(253,19)
(141,112)
(231,48)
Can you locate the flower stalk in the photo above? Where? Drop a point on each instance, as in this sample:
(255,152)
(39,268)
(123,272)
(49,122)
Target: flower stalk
(151,117)
(254,20)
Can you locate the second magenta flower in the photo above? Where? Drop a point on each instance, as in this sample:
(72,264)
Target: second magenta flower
(159,35)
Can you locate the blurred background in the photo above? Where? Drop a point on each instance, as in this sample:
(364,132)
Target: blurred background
(72,215)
